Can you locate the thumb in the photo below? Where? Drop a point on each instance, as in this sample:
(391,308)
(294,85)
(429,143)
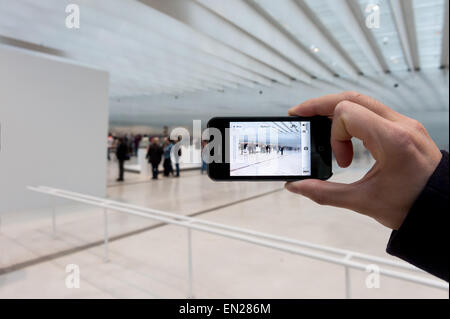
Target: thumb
(325,193)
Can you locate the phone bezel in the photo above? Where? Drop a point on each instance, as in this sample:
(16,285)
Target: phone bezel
(321,167)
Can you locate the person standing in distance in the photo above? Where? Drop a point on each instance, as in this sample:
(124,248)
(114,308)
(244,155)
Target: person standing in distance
(122,156)
(154,155)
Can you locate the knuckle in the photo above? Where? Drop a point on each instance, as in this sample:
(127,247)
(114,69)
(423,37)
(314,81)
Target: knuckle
(418,127)
(351,95)
(341,108)
(403,137)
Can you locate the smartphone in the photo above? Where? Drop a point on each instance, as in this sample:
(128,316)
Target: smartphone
(268,148)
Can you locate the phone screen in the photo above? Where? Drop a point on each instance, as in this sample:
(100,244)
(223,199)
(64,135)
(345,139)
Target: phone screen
(280,148)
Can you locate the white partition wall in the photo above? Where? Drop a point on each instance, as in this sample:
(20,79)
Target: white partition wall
(54,121)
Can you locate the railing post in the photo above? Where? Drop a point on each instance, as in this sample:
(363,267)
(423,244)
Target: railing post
(105,240)
(190,292)
(347,282)
(347,276)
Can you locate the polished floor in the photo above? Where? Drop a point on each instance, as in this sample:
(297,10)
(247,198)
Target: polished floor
(149,260)
(265,164)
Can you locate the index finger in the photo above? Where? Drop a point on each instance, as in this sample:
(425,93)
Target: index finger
(326,104)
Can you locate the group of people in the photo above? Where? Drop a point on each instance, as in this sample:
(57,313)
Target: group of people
(131,141)
(156,153)
(246,149)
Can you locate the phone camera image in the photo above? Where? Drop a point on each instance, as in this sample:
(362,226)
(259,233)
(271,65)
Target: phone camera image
(270,148)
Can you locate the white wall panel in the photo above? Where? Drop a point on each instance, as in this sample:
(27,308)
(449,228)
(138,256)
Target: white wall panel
(54,117)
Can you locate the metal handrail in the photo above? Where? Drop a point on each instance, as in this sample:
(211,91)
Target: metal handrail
(254,237)
(346,253)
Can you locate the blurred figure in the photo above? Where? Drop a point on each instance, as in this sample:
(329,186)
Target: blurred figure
(115,142)
(137,141)
(167,149)
(122,156)
(204,165)
(154,154)
(144,142)
(245,151)
(110,145)
(129,139)
(177,160)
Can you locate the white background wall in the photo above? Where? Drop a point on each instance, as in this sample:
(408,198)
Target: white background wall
(53,117)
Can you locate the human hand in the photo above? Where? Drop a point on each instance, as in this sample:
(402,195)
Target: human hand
(405,155)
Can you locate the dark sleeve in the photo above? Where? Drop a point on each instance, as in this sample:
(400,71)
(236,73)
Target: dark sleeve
(423,238)
(122,151)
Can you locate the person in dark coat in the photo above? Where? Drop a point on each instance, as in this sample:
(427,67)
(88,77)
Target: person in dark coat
(167,152)
(122,156)
(154,155)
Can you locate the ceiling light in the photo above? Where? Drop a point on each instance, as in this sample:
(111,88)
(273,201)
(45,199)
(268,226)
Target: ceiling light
(314,48)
